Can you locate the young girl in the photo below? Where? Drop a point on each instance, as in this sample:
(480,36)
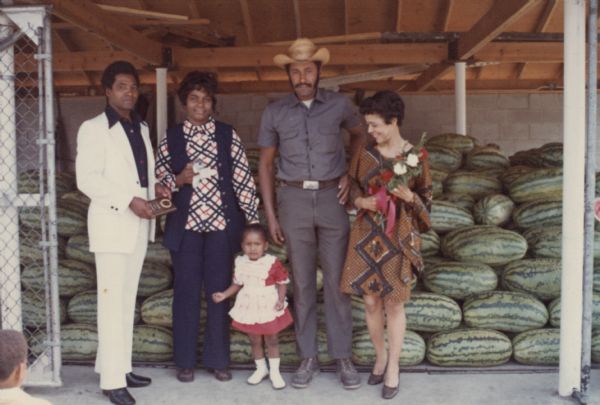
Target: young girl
(260,308)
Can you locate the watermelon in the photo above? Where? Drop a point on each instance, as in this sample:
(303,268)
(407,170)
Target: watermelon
(155,277)
(152,344)
(78,342)
(430,245)
(430,312)
(78,248)
(539,277)
(443,158)
(536,185)
(30,249)
(459,142)
(363,352)
(69,219)
(597,281)
(83,308)
(156,252)
(513,173)
(546,241)
(459,279)
(469,348)
(33,307)
(287,348)
(240,349)
(486,158)
(596,346)
(507,311)
(446,216)
(493,209)
(73,277)
(542,212)
(474,184)
(554,309)
(157,309)
(487,244)
(537,347)
(462,200)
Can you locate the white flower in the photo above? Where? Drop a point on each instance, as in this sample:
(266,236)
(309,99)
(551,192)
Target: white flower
(399,168)
(412,160)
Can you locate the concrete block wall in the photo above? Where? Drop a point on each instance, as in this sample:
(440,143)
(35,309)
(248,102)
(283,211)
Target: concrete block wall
(513,121)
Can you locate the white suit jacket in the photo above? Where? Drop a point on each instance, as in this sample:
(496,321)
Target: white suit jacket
(106,172)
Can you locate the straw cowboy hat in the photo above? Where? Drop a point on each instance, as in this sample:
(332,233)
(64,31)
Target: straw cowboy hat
(302,50)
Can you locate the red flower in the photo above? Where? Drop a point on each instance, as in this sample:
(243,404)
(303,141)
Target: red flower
(424,154)
(386,175)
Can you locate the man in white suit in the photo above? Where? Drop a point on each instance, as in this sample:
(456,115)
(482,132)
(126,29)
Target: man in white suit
(115,169)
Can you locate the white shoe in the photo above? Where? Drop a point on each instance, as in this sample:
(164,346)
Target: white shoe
(260,373)
(274,374)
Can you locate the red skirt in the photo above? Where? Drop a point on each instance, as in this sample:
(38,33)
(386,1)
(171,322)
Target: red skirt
(268,328)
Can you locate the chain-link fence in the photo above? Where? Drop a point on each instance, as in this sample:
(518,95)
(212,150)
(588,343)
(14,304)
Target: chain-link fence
(28,184)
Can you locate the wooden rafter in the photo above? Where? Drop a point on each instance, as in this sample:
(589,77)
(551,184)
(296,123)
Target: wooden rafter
(65,44)
(335,39)
(249,29)
(193,7)
(334,82)
(142,12)
(444,15)
(89,17)
(540,27)
(398,15)
(357,54)
(139,23)
(297,19)
(500,15)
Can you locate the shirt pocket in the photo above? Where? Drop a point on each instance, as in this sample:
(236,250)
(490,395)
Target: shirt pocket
(330,140)
(291,142)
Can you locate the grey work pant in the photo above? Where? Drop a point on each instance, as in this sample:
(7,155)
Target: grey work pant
(315,221)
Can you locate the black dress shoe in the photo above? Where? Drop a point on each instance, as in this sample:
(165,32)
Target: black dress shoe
(119,396)
(137,381)
(389,392)
(375,379)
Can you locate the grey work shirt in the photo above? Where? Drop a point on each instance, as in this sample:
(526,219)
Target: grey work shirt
(309,139)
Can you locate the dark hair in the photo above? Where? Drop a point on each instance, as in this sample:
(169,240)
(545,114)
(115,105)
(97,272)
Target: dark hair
(387,104)
(197,80)
(13,352)
(255,228)
(119,67)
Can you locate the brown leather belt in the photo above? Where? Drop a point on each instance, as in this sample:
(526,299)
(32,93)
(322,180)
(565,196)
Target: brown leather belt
(313,184)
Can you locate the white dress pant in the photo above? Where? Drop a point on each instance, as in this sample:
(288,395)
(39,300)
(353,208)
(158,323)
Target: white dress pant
(118,275)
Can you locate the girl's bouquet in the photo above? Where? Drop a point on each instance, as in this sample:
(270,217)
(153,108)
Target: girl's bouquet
(396,171)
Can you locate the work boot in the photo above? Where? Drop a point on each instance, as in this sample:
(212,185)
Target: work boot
(348,374)
(304,374)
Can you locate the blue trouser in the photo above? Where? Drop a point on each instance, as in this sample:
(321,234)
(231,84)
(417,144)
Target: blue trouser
(203,261)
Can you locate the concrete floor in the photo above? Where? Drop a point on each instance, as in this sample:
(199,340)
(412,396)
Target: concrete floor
(80,386)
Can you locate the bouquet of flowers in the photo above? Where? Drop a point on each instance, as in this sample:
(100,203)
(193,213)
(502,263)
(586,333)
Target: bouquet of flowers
(399,170)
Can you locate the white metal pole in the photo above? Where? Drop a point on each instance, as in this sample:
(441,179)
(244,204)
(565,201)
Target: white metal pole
(573,197)
(10,272)
(161,103)
(460,91)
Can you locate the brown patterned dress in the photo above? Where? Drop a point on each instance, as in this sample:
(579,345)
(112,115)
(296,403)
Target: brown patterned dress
(375,263)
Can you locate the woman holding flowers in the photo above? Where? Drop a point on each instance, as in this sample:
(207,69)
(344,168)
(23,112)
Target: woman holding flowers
(391,188)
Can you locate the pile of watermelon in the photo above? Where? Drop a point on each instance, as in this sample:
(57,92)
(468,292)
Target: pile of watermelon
(490,291)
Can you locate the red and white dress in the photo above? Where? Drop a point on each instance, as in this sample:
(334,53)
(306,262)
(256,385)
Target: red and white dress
(254,309)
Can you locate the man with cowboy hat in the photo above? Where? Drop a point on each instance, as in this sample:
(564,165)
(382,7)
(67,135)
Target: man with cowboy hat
(304,127)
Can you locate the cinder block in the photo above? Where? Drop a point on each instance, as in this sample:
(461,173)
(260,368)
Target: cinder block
(525,116)
(545,132)
(513,101)
(248,117)
(546,101)
(258,103)
(514,132)
(485,132)
(481,102)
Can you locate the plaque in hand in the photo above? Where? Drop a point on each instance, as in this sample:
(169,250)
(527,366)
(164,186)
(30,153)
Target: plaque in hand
(161,206)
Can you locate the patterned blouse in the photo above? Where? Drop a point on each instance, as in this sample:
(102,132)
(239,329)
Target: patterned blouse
(206,207)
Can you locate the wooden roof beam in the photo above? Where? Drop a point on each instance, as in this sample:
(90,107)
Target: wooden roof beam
(249,28)
(500,15)
(89,17)
(193,7)
(142,12)
(444,17)
(297,19)
(69,48)
(363,54)
(398,15)
(541,27)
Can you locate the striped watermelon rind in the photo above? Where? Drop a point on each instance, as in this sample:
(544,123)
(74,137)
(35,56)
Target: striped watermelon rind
(429,312)
(363,352)
(537,347)
(469,348)
(458,280)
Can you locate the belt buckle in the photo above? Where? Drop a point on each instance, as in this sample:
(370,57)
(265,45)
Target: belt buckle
(310,185)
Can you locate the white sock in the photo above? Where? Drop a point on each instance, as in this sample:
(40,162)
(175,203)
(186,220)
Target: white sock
(260,373)
(276,378)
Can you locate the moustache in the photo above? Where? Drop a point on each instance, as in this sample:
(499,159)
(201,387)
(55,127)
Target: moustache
(303,84)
